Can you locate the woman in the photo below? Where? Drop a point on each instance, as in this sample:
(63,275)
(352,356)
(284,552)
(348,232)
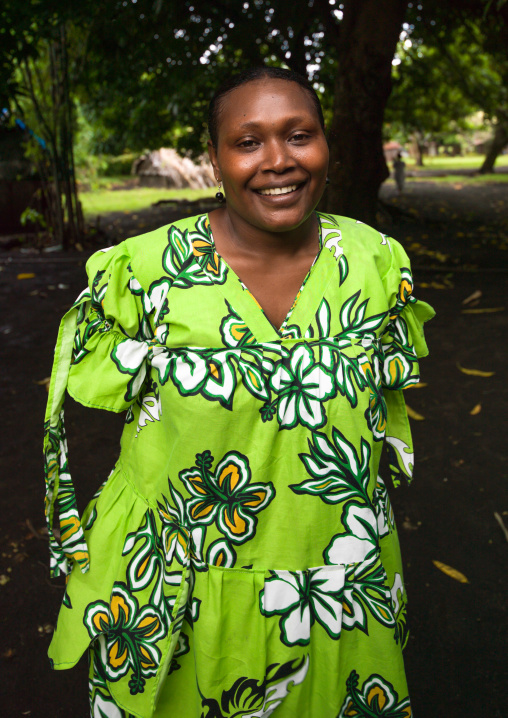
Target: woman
(241,559)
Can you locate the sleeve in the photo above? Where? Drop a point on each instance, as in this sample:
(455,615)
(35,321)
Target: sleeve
(112,336)
(100,359)
(402,344)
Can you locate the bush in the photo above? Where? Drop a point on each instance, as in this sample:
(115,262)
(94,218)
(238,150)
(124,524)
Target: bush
(117,166)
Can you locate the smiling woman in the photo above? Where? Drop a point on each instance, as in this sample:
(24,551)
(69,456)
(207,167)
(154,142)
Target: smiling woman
(242,558)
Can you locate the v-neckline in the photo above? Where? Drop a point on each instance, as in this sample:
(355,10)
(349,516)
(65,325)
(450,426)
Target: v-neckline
(252,313)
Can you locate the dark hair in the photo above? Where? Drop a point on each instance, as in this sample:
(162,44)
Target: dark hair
(256,73)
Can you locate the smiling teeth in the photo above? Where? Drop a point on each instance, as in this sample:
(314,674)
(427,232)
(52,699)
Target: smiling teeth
(278,190)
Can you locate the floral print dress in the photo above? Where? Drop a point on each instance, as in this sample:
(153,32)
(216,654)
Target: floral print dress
(242,558)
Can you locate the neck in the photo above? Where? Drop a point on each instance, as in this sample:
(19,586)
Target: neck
(233,235)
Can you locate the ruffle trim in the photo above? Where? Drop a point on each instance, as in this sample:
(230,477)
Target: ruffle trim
(402,344)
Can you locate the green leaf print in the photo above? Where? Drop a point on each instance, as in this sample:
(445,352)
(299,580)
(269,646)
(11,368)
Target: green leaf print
(234,331)
(189,258)
(221,553)
(356,325)
(176,530)
(257,697)
(204,252)
(147,563)
(339,472)
(365,590)
(400,365)
(60,495)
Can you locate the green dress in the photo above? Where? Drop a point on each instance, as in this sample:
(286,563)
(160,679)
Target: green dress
(242,558)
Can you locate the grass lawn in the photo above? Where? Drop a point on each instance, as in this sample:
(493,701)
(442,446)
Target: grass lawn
(104,200)
(468,162)
(114,195)
(463,180)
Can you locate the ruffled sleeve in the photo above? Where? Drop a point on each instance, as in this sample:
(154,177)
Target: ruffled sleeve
(100,358)
(402,344)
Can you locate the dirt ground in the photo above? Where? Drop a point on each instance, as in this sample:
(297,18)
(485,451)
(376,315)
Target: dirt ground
(457,237)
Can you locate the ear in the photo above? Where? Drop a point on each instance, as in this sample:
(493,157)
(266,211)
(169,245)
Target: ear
(212,154)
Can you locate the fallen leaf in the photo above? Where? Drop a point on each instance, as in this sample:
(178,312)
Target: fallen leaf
(4,579)
(501,524)
(418,385)
(406,524)
(33,531)
(26,275)
(44,382)
(9,653)
(414,414)
(46,628)
(476,409)
(485,310)
(474,372)
(452,572)
(475,295)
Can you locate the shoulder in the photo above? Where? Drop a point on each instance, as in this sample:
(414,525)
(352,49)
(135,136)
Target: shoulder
(158,238)
(145,252)
(360,241)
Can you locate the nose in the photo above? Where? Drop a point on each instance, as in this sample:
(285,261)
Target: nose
(277,156)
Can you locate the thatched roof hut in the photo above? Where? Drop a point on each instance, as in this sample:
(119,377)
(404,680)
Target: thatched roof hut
(165,168)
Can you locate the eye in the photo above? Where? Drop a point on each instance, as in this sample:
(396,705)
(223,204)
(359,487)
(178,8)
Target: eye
(247,144)
(299,137)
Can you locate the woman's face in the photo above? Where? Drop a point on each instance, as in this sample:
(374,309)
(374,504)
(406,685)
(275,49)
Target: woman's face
(271,154)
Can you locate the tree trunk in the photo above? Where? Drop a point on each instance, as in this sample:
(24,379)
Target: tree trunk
(417,149)
(369,32)
(497,145)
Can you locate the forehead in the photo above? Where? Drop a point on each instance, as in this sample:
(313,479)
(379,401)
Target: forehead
(264,101)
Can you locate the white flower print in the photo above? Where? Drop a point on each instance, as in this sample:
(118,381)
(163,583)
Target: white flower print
(303,597)
(360,538)
(130,358)
(302,386)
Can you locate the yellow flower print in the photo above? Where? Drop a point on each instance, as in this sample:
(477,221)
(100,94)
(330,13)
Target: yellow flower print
(377,697)
(226,496)
(129,636)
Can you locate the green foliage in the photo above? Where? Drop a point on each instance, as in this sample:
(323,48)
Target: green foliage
(426,98)
(152,68)
(452,68)
(32,216)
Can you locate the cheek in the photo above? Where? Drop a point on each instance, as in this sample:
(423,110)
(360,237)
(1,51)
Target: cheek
(316,160)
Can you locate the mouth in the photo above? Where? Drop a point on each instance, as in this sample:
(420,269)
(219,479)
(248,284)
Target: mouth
(273,191)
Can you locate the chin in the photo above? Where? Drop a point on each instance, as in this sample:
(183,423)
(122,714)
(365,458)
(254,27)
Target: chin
(286,222)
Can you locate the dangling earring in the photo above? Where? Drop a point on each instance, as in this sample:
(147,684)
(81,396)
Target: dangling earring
(220,196)
(327,181)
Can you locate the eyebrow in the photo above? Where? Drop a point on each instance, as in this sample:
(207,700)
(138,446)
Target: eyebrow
(253,124)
